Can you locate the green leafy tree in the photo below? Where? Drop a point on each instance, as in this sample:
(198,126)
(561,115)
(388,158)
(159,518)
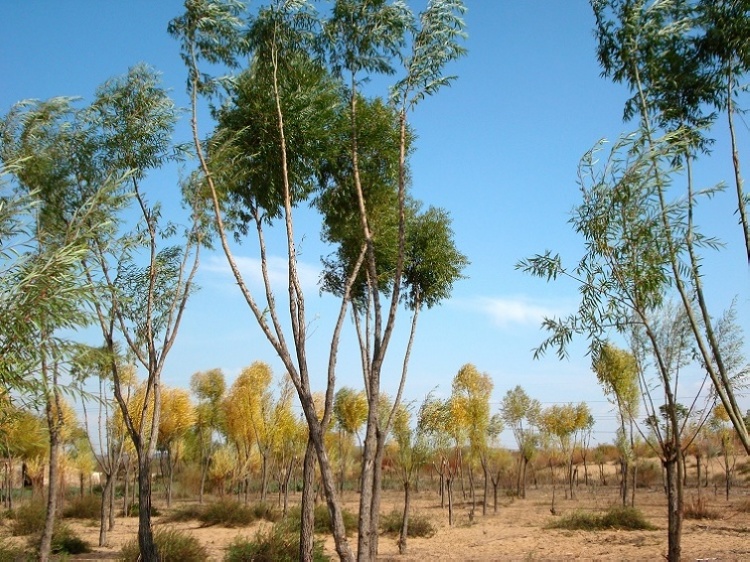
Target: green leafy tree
(363,38)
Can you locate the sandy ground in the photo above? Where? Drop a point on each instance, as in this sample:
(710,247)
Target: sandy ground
(518,531)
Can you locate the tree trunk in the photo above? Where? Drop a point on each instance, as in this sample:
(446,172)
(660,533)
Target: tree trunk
(672,468)
(307,515)
(112,490)
(486,486)
(49,522)
(624,472)
(105,508)
(405,520)
(367,480)
(145,531)
(449,489)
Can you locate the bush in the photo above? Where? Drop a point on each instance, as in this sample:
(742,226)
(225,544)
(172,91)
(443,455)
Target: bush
(262,510)
(86,507)
(649,474)
(278,544)
(28,518)
(322,520)
(697,508)
(622,518)
(227,513)
(172,546)
(134,510)
(419,525)
(191,512)
(65,541)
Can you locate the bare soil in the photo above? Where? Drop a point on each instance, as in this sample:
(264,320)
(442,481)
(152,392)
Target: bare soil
(518,531)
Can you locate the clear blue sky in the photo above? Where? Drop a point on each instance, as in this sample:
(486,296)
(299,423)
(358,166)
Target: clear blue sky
(499,149)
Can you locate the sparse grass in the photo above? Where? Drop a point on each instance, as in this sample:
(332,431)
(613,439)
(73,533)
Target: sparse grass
(172,546)
(86,507)
(28,518)
(622,518)
(743,506)
(419,525)
(10,552)
(697,508)
(277,544)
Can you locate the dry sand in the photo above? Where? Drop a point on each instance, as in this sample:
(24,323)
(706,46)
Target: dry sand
(518,531)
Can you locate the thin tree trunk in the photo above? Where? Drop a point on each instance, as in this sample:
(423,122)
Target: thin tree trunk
(104,510)
(45,546)
(145,530)
(307,515)
(674,506)
(405,520)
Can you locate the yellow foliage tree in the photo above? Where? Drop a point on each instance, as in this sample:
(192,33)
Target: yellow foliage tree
(177,417)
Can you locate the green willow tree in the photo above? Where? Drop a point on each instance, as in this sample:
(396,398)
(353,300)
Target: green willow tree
(666,54)
(45,283)
(267,156)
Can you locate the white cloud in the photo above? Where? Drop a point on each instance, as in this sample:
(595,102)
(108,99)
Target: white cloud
(277,271)
(515,311)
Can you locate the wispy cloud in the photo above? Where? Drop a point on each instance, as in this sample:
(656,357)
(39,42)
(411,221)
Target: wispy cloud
(277,271)
(515,311)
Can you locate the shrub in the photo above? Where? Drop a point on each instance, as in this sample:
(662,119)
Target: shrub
(227,513)
(743,506)
(28,518)
(172,546)
(278,544)
(322,520)
(623,518)
(134,509)
(649,474)
(191,512)
(86,507)
(65,541)
(262,510)
(697,508)
(419,525)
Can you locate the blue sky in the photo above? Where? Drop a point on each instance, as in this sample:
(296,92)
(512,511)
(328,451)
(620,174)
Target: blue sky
(499,150)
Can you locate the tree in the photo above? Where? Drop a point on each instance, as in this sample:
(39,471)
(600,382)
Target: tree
(617,372)
(411,456)
(350,413)
(209,388)
(521,414)
(280,180)
(45,291)
(178,416)
(658,50)
(470,407)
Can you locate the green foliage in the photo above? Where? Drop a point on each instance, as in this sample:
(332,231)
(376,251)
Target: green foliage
(172,545)
(86,507)
(621,518)
(276,544)
(28,518)
(419,525)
